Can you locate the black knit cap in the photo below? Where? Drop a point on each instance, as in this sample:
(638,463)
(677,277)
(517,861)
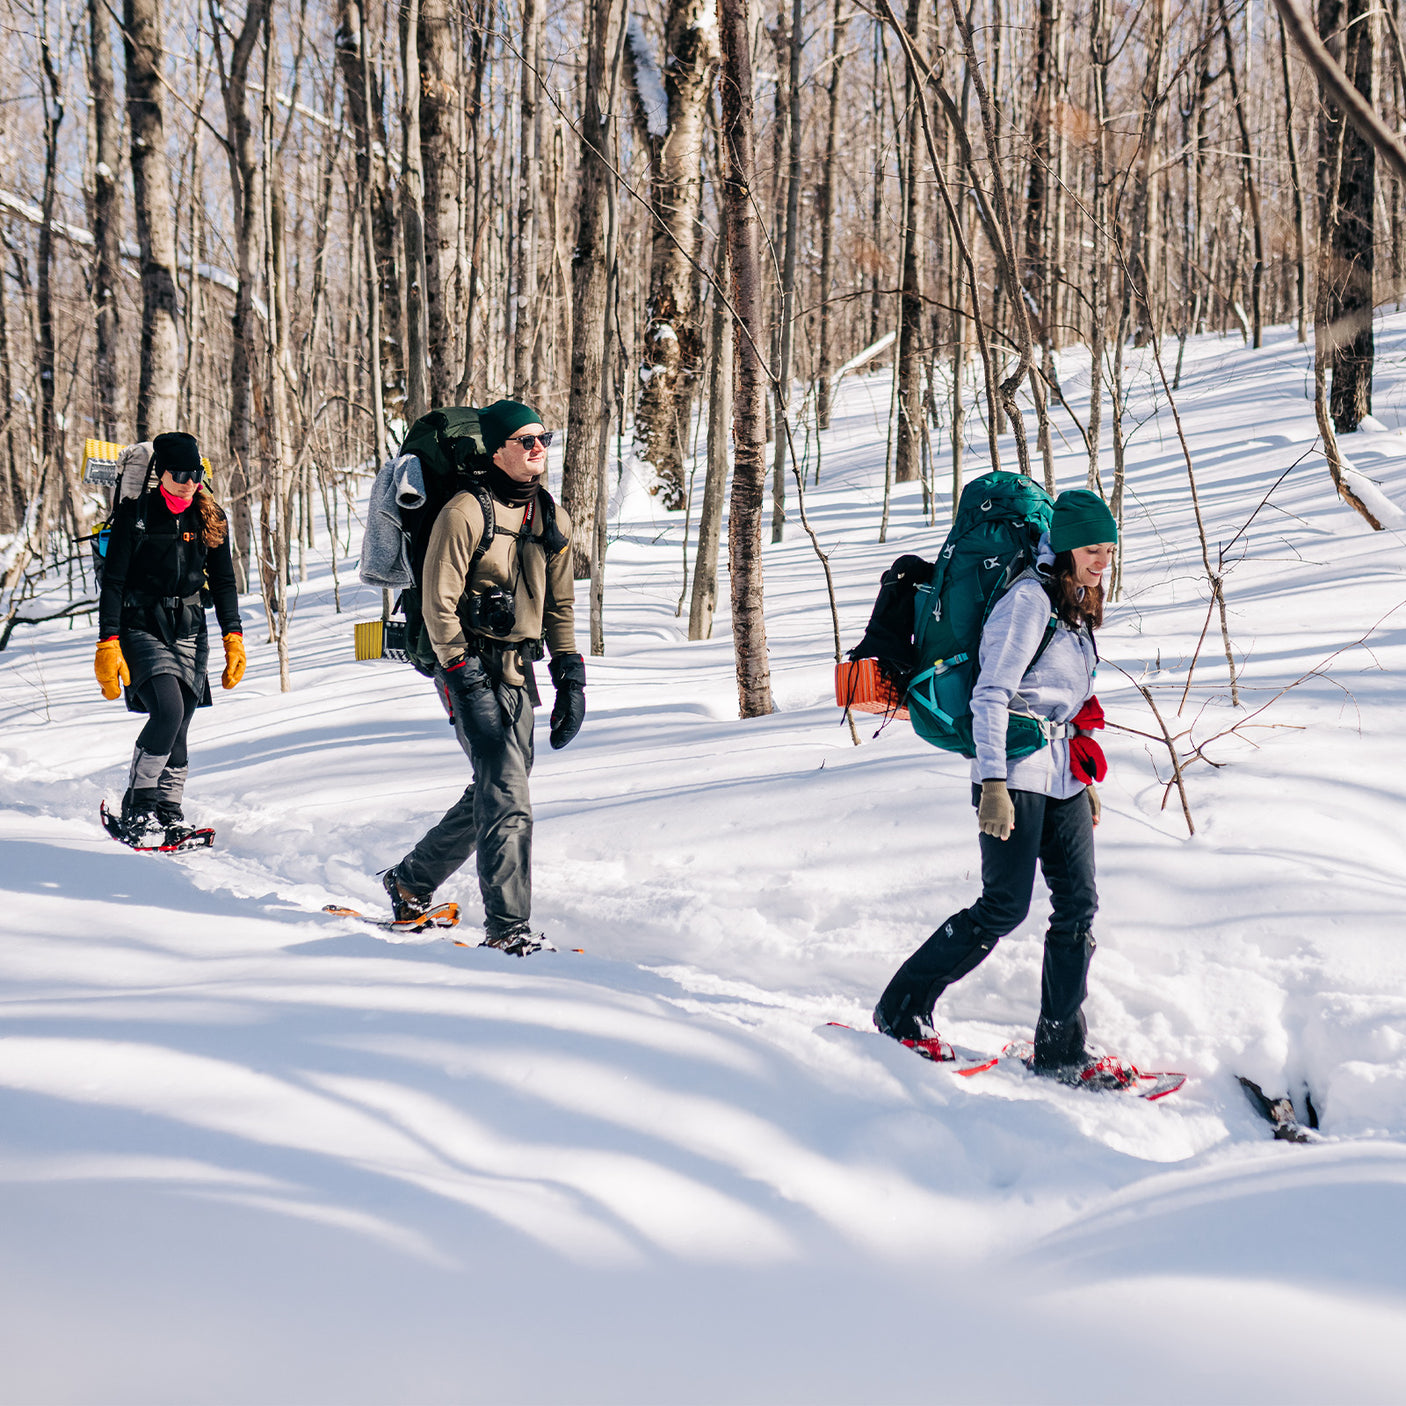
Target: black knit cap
(175,451)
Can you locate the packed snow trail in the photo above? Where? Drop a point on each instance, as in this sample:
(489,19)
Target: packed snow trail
(255,1153)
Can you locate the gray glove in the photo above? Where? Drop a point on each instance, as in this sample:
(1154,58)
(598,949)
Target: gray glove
(996,813)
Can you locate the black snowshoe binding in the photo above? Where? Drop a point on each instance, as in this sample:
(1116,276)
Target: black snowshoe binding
(518,941)
(142,825)
(406,905)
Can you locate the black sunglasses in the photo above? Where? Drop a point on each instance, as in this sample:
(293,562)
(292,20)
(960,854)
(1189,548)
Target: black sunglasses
(186,475)
(528,440)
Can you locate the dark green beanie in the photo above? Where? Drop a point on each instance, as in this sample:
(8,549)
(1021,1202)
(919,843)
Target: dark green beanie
(1080,519)
(504,418)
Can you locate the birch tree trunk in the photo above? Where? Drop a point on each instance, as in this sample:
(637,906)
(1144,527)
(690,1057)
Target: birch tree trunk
(825,213)
(524,286)
(106,218)
(159,377)
(589,279)
(673,336)
(907,458)
(1347,228)
(744,532)
(247,200)
(704,599)
(442,148)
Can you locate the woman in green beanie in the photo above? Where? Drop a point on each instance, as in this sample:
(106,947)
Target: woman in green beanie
(1037,810)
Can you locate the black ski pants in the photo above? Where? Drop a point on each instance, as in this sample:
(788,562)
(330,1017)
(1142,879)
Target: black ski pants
(1059,837)
(493,818)
(160,760)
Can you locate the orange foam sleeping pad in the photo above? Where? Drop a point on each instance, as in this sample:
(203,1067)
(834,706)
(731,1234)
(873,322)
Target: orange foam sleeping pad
(861,685)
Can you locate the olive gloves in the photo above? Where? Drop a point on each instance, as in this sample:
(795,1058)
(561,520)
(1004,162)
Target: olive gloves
(995,815)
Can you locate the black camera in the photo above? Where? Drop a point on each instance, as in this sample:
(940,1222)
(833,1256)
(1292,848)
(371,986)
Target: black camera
(494,611)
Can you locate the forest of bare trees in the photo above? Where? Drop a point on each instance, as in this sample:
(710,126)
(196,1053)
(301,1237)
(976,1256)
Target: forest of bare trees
(292,228)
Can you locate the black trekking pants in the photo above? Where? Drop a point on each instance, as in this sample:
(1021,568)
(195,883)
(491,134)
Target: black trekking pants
(160,760)
(493,818)
(1059,837)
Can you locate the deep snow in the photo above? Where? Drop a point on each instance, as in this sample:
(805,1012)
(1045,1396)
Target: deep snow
(255,1154)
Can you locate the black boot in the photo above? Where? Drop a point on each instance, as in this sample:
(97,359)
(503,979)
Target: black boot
(1059,1045)
(406,905)
(905,1009)
(141,825)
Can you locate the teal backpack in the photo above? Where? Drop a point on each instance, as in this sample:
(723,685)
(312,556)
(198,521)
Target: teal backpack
(993,540)
(925,629)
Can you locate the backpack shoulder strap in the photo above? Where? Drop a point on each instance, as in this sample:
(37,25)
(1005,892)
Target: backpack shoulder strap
(490,523)
(551,536)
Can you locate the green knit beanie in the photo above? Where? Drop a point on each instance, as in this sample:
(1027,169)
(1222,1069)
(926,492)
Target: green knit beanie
(503,418)
(1080,519)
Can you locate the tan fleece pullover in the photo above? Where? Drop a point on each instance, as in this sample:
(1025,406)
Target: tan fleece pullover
(543,589)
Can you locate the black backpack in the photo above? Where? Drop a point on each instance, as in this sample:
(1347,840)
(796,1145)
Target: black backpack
(453,459)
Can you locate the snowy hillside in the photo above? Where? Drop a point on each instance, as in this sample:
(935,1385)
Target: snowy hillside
(251,1153)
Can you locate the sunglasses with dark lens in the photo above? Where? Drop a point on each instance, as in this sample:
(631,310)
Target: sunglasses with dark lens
(185,475)
(528,440)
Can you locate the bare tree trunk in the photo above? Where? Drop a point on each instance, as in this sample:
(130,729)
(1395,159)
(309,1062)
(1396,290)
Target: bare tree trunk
(365,108)
(788,276)
(156,228)
(673,336)
(1100,42)
(710,517)
(744,532)
(907,458)
(589,279)
(412,217)
(1296,184)
(106,217)
(50,450)
(825,213)
(275,517)
(524,287)
(1251,186)
(441,144)
(1347,228)
(247,201)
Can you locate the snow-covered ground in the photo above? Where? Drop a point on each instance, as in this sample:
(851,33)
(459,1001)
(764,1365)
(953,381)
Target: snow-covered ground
(254,1154)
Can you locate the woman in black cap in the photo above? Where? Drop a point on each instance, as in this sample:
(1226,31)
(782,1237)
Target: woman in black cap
(166,546)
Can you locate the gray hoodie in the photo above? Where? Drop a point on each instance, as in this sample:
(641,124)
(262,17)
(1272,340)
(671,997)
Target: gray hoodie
(1056,687)
(385,550)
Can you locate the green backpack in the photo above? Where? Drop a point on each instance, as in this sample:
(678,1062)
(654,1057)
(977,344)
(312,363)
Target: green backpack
(993,540)
(453,459)
(449,445)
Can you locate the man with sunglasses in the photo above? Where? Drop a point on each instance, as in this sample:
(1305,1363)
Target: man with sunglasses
(488,613)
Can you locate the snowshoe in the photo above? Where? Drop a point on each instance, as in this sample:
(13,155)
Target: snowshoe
(147,835)
(438,915)
(915,1035)
(519,941)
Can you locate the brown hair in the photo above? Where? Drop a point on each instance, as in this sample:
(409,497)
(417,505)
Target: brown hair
(213,528)
(1076,605)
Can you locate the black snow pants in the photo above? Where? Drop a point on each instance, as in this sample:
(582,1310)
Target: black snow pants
(493,818)
(1058,836)
(159,760)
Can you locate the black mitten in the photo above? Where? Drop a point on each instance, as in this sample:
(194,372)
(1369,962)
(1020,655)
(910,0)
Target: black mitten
(474,703)
(568,673)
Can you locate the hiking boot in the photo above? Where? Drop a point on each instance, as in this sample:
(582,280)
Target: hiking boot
(916,1034)
(405,904)
(518,941)
(1098,1074)
(142,827)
